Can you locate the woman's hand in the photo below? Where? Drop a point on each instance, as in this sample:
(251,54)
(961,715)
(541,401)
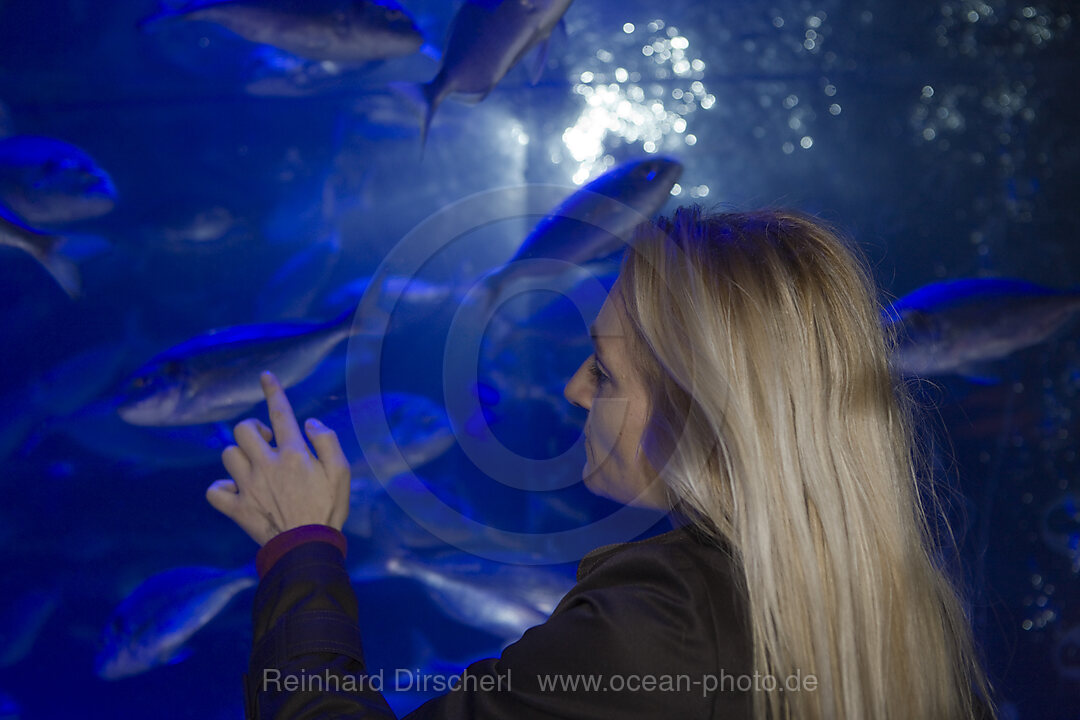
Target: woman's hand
(274,489)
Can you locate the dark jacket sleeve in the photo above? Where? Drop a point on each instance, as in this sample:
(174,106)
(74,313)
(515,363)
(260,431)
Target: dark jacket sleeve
(634,639)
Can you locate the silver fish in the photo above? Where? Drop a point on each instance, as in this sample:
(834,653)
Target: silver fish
(294,287)
(48,182)
(487,38)
(151,625)
(205,226)
(371,507)
(594,222)
(417,295)
(58,392)
(276,73)
(215,376)
(952,326)
(352,31)
(419,431)
(140,450)
(503,600)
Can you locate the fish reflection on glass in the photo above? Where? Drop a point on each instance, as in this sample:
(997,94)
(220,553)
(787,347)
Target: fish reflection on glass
(215,376)
(594,222)
(150,626)
(487,38)
(351,31)
(953,326)
(48,182)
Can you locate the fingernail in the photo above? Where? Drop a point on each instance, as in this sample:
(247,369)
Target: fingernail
(312,422)
(266,376)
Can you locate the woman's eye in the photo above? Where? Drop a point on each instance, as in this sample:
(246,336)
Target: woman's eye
(597,373)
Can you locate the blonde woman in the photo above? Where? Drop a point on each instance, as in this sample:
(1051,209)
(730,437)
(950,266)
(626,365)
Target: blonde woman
(741,381)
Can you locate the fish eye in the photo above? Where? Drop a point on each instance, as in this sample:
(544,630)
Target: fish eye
(172,368)
(139,382)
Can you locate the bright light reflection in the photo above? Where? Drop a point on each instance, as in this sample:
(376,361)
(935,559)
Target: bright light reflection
(628,102)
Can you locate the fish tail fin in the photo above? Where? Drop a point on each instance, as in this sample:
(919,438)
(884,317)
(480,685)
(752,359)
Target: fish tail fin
(372,320)
(64,272)
(425,98)
(431,101)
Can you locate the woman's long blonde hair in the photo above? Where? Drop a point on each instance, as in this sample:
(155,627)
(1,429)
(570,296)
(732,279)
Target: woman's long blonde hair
(781,429)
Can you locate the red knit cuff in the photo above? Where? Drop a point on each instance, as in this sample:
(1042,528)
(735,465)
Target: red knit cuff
(282,543)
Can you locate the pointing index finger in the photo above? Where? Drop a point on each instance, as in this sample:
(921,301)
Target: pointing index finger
(282,418)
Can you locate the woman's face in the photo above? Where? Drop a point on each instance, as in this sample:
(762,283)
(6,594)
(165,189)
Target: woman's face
(607,386)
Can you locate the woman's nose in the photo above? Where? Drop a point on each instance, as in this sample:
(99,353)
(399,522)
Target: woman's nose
(577,390)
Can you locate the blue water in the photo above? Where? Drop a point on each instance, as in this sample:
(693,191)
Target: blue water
(942,136)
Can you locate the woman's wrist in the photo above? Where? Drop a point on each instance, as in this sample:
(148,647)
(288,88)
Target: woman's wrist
(282,543)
